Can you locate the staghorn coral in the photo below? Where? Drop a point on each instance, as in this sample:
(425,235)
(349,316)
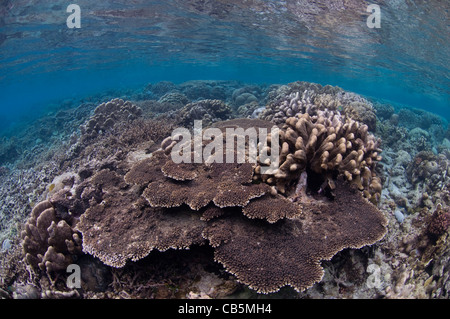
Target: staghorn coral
(326,146)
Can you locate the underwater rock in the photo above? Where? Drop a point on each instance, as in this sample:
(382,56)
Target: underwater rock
(6,245)
(399,216)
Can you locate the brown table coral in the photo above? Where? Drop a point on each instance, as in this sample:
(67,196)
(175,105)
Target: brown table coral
(267,239)
(269,256)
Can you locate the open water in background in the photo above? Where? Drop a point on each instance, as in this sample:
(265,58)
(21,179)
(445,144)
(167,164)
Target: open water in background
(125,44)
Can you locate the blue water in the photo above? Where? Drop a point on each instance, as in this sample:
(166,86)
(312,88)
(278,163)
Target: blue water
(128,44)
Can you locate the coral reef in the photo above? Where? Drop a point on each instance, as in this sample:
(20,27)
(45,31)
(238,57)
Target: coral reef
(107,114)
(204,90)
(440,222)
(175,98)
(130,220)
(111,199)
(129,215)
(289,253)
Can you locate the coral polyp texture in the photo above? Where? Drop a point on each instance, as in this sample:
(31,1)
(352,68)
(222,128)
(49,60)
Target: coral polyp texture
(123,226)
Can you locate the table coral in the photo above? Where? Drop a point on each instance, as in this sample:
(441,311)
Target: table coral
(267,239)
(439,223)
(209,111)
(125,217)
(269,256)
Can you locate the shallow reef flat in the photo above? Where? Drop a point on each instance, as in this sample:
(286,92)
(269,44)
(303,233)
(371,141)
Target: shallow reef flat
(358,206)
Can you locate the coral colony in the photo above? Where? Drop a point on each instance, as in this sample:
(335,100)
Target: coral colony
(273,197)
(176,198)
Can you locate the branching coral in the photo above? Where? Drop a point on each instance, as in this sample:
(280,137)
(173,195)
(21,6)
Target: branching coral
(310,98)
(326,146)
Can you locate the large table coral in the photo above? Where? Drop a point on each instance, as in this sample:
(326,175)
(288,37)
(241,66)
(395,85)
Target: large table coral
(266,237)
(268,256)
